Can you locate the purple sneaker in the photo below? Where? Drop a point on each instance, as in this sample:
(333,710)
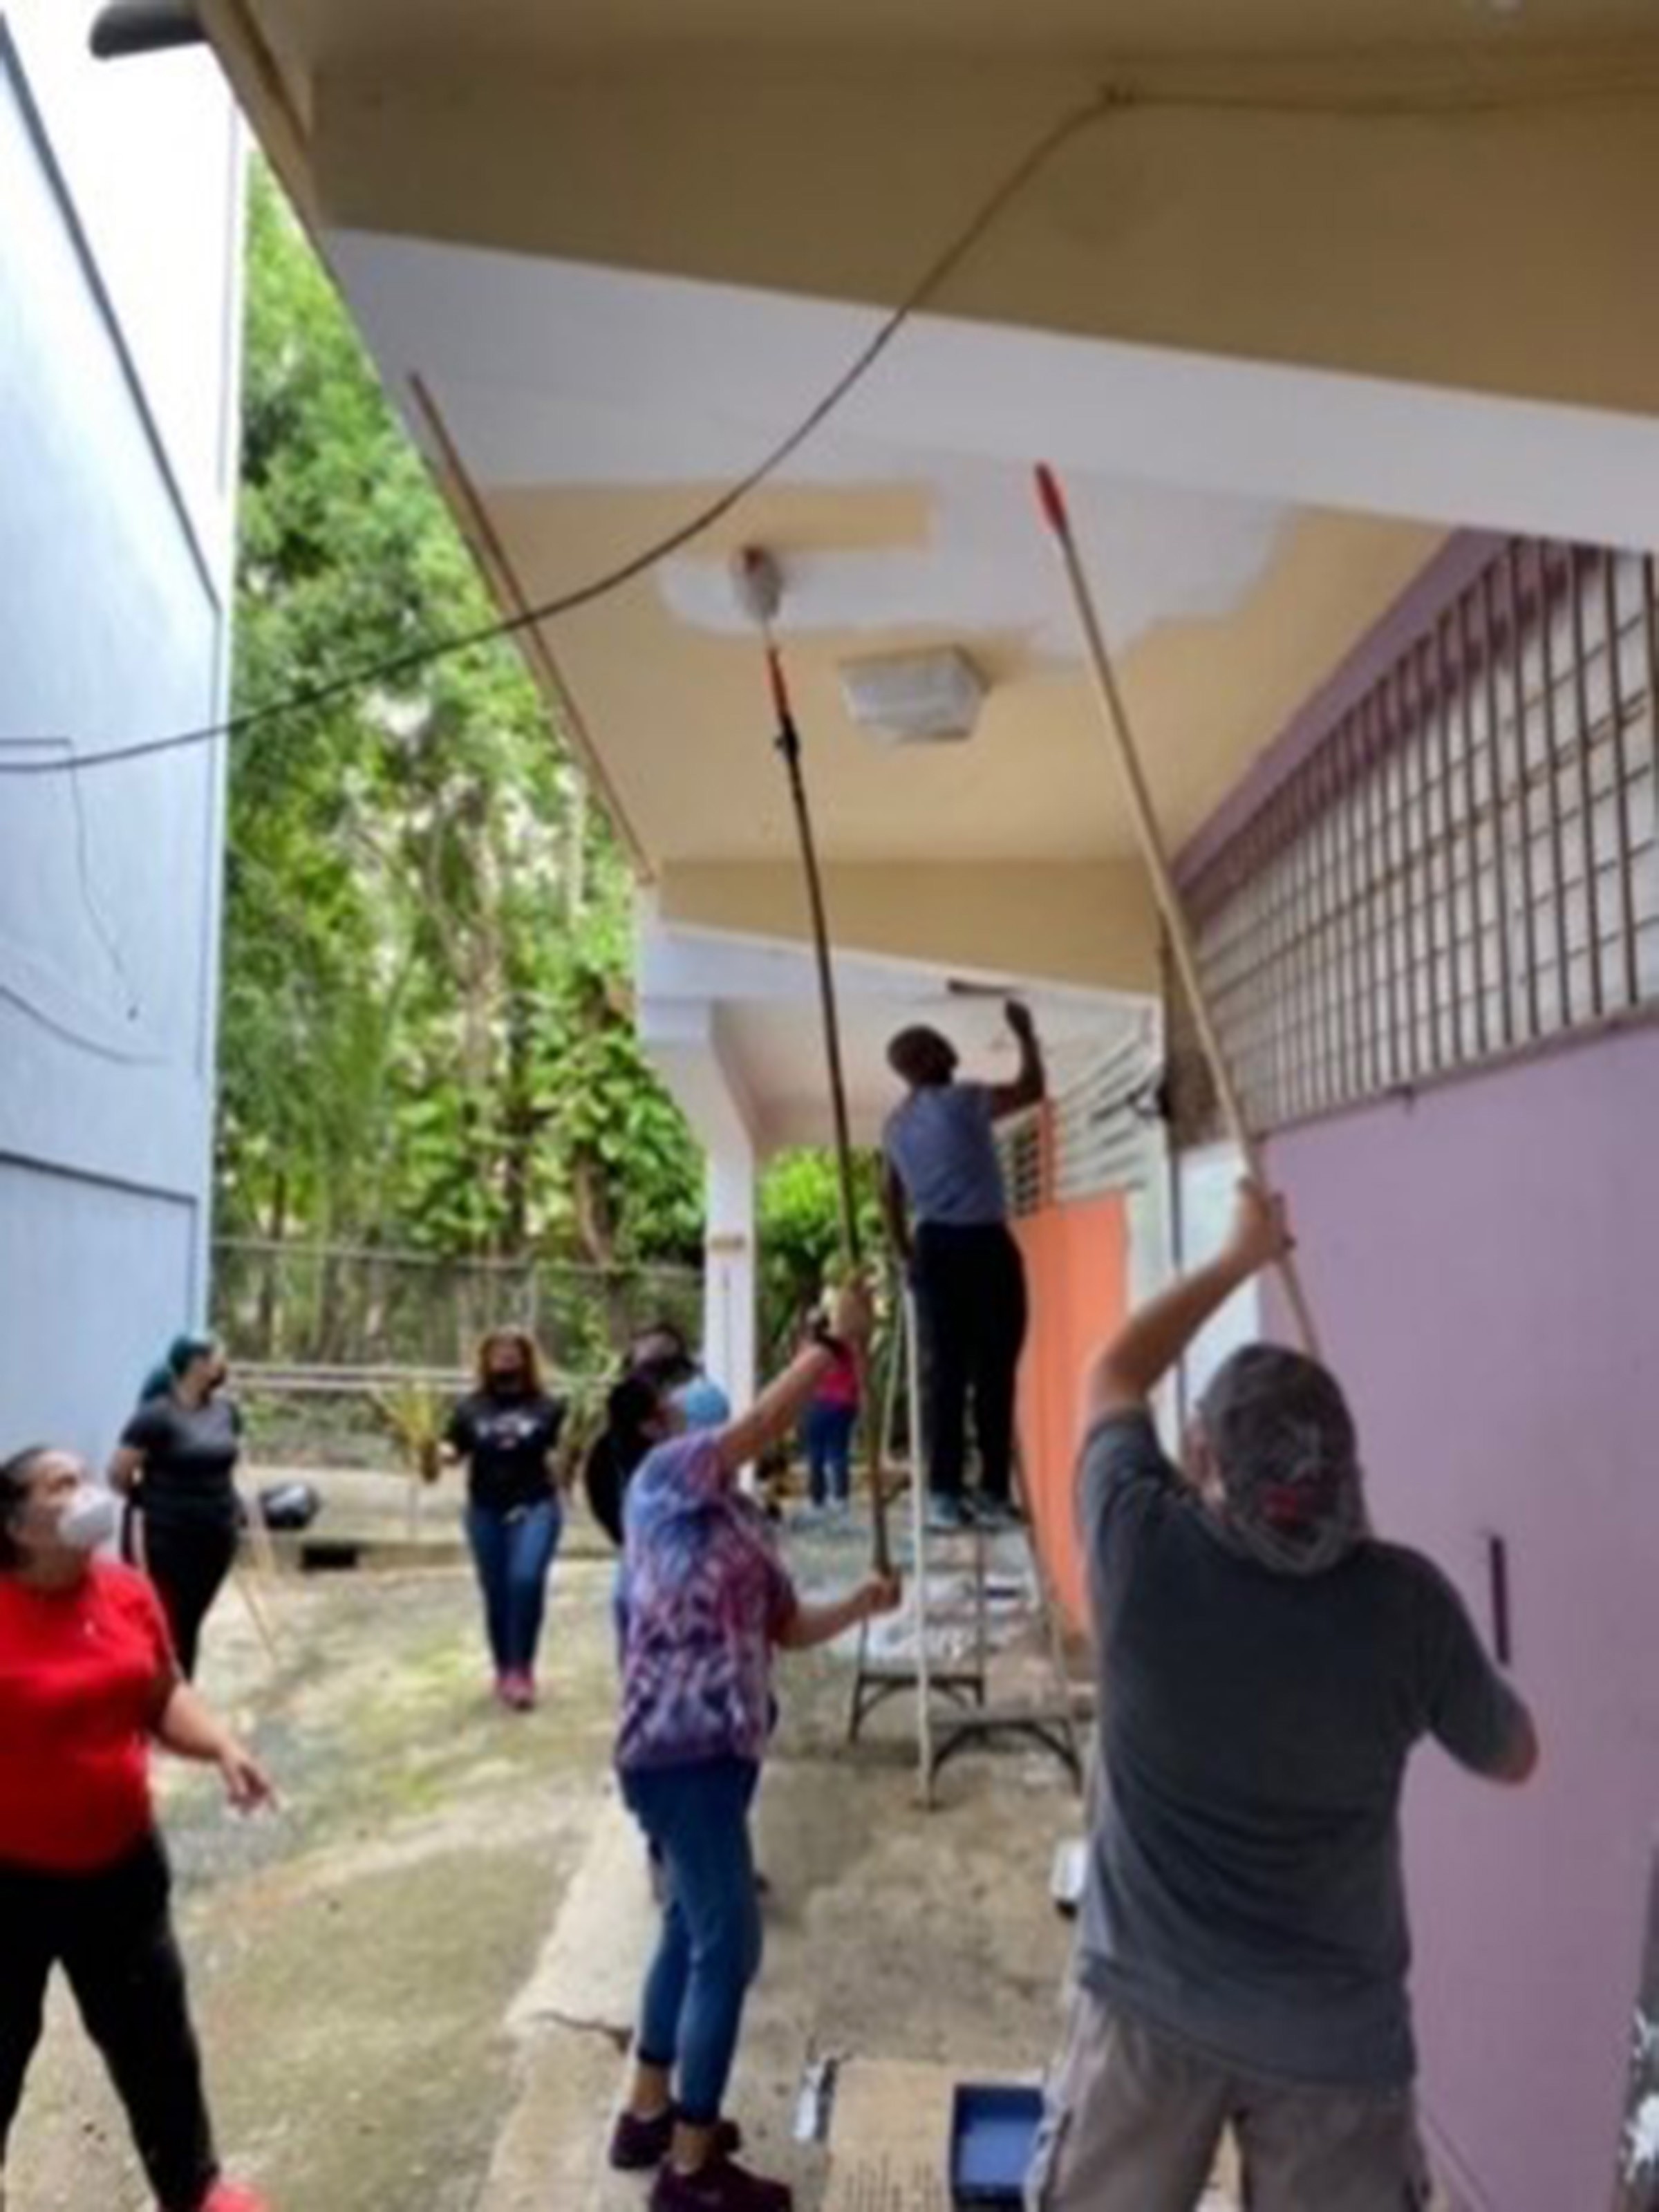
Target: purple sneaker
(637,2145)
(718,2186)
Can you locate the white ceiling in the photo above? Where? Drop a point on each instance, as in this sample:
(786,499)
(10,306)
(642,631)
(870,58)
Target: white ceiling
(1181,467)
(551,373)
(766,1027)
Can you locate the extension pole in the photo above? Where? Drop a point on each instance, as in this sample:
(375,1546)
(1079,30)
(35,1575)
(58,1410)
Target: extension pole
(759,589)
(788,744)
(1052,502)
(256,1612)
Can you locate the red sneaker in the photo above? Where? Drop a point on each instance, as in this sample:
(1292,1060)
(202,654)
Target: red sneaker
(722,2185)
(517,1690)
(231,2197)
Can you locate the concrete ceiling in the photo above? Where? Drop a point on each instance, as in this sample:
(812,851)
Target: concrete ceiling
(779,1049)
(1312,287)
(756,1018)
(965,30)
(589,410)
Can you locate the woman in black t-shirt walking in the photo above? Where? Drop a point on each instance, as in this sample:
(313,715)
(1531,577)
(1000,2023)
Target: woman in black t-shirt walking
(508,1432)
(176,1464)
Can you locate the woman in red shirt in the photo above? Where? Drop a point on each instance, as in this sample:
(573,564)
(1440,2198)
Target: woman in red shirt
(832,1415)
(87,1678)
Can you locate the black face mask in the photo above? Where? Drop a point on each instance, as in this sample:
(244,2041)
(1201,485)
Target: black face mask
(506,1384)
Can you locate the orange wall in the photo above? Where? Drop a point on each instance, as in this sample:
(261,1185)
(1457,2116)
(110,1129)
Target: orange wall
(1077,1265)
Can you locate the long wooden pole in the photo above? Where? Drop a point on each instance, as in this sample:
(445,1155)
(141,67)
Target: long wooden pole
(788,744)
(1182,946)
(256,1611)
(264,1555)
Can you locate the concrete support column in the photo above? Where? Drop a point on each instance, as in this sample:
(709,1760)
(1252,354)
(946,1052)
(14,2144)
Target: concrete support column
(680,1027)
(730,1274)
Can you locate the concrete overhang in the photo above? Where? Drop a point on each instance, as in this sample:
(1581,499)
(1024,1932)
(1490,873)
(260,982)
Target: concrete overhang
(732,1024)
(1309,297)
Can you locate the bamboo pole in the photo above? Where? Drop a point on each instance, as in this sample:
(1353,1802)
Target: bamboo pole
(246,1577)
(256,1611)
(1181,945)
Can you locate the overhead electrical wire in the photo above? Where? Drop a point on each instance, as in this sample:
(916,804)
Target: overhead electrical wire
(1120,98)
(395,666)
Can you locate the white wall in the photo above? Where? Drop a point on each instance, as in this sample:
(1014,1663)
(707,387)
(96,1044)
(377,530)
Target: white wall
(119,314)
(1206,1187)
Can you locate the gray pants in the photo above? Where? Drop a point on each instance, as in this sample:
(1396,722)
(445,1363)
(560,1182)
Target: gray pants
(1134,2122)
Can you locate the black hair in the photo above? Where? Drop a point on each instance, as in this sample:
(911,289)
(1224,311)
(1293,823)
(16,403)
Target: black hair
(633,1406)
(917,1055)
(174,1363)
(15,1476)
(666,1373)
(676,1361)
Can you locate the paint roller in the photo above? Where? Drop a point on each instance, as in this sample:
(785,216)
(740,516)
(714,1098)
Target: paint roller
(757,586)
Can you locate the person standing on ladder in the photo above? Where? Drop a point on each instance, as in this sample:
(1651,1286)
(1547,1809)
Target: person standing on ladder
(947,1215)
(1267,1668)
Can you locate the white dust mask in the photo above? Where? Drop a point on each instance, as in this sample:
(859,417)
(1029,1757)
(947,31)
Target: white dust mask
(89,1521)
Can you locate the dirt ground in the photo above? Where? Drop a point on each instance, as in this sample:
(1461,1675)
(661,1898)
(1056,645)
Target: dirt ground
(355,1960)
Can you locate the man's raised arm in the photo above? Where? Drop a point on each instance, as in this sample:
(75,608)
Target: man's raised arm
(1154,1337)
(1030,1084)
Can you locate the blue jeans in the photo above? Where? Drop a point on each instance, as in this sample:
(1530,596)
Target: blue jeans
(829,1436)
(513,1551)
(697,1818)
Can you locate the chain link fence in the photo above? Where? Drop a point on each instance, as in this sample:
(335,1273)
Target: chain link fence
(322,1305)
(342,1354)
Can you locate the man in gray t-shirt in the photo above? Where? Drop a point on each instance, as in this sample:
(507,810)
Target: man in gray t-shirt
(1267,1666)
(947,1215)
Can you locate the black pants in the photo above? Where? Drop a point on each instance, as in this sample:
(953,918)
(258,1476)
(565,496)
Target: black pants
(112,1933)
(188,1565)
(970,1305)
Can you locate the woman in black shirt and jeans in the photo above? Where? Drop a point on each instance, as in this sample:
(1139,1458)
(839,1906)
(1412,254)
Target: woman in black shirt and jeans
(507,1432)
(176,1464)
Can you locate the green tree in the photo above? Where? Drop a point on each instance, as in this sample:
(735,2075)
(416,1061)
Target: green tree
(800,1236)
(426,1037)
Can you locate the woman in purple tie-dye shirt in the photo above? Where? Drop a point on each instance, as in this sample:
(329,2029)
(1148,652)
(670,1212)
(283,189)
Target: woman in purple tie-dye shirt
(709,1600)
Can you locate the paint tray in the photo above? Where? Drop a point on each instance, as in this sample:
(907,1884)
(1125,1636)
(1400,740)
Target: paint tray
(994,2127)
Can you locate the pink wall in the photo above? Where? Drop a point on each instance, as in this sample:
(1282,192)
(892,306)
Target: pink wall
(1483,1263)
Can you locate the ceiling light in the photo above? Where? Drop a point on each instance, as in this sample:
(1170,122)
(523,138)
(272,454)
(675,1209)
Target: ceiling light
(914,698)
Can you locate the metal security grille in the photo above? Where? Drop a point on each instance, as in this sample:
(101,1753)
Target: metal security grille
(1467,866)
(1024,1148)
(1099,1132)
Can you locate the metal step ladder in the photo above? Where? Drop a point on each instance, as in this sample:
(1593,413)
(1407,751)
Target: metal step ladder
(957,1584)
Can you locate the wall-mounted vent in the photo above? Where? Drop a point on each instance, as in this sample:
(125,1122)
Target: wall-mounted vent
(914,698)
